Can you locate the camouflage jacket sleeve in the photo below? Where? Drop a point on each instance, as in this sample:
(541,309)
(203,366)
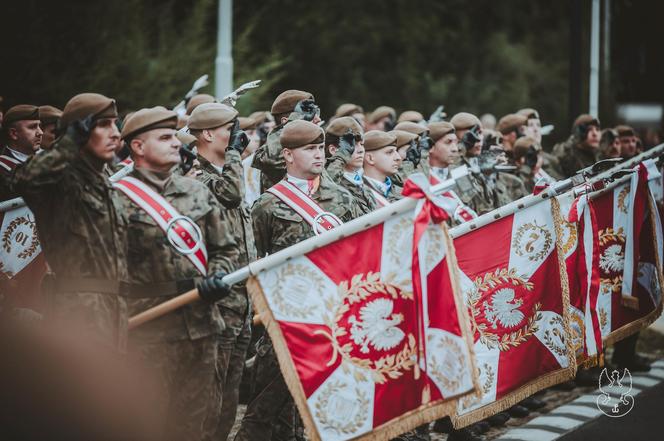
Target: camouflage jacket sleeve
(336,164)
(228,186)
(268,158)
(45,169)
(221,244)
(260,221)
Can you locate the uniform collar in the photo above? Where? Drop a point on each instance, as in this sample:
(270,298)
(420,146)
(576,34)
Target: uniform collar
(308,186)
(160,181)
(441,173)
(22,157)
(383,187)
(355,177)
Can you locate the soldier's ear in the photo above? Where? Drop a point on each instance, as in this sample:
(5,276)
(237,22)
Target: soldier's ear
(368,158)
(288,155)
(136,147)
(332,149)
(12,133)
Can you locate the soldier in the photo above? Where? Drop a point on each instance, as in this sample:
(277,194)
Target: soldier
(609,144)
(550,164)
(352,110)
(268,158)
(529,162)
(279,222)
(166,211)
(220,146)
(414,159)
(257,131)
(197,100)
(345,144)
(49,117)
(628,141)
(412,116)
(383,118)
(502,186)
(511,126)
(581,149)
(381,163)
(22,135)
(82,230)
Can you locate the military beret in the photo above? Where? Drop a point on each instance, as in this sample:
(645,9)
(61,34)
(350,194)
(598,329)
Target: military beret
(586,119)
(624,130)
(49,114)
(211,115)
(410,115)
(182,121)
(21,112)
(464,120)
(377,139)
(197,100)
(247,123)
(300,133)
(522,145)
(261,117)
(286,101)
(145,120)
(402,137)
(529,113)
(438,130)
(341,126)
(381,112)
(511,121)
(88,104)
(347,110)
(411,127)
(185,138)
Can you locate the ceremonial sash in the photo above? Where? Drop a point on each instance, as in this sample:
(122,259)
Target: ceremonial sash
(382,200)
(163,213)
(303,205)
(8,163)
(461,211)
(126,161)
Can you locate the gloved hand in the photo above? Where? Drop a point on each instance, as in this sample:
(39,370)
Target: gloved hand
(389,124)
(262,134)
(347,143)
(413,153)
(471,137)
(438,115)
(308,109)
(238,140)
(425,142)
(80,130)
(212,288)
(531,157)
(187,158)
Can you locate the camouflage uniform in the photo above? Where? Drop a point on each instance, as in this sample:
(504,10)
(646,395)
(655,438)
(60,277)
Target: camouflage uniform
(235,309)
(473,189)
(526,175)
(269,160)
(394,192)
(573,157)
(83,236)
(277,226)
(180,348)
(506,188)
(551,165)
(335,169)
(407,168)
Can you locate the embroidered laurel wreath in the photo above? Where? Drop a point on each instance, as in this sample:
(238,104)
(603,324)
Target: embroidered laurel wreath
(8,234)
(526,238)
(341,415)
(357,291)
(488,283)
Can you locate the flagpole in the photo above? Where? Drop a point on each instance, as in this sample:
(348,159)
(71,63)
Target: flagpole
(11,204)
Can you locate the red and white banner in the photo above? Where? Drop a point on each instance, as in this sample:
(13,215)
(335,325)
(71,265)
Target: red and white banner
(514,282)
(22,263)
(371,335)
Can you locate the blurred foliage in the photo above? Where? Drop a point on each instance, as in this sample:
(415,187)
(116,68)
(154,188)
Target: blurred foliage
(480,56)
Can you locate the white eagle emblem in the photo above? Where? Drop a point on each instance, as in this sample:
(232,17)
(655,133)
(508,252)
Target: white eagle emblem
(377,326)
(612,259)
(504,309)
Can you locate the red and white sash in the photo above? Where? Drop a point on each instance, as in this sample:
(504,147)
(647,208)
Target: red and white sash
(460,211)
(127,161)
(382,200)
(8,163)
(163,212)
(303,205)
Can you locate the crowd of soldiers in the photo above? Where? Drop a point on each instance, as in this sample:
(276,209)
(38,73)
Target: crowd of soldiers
(110,257)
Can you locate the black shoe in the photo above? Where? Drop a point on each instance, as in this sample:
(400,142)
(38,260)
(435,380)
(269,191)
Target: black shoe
(442,425)
(465,434)
(567,386)
(481,427)
(498,419)
(532,403)
(588,377)
(518,411)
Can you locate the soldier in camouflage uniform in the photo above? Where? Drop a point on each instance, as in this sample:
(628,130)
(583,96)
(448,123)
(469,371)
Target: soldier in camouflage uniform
(528,159)
(345,150)
(220,146)
(383,118)
(533,129)
(581,149)
(49,117)
(381,163)
(278,226)
(180,348)
(21,136)
(82,230)
(415,158)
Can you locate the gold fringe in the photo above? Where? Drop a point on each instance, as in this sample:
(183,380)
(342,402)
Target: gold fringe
(630,302)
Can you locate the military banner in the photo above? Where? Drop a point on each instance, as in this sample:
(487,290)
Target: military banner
(370,331)
(514,283)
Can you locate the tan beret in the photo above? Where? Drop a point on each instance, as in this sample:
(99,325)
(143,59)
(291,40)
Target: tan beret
(88,104)
(49,114)
(261,117)
(439,129)
(182,121)
(185,138)
(381,112)
(586,119)
(347,109)
(377,139)
(522,145)
(402,137)
(624,130)
(286,101)
(21,112)
(410,115)
(341,126)
(510,122)
(247,123)
(529,113)
(197,100)
(211,115)
(411,127)
(300,133)
(145,120)
(464,120)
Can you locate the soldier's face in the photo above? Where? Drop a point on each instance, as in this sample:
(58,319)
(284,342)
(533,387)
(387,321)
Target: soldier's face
(219,137)
(627,146)
(357,160)
(104,139)
(254,141)
(305,162)
(48,137)
(534,129)
(593,136)
(385,160)
(26,136)
(445,151)
(158,149)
